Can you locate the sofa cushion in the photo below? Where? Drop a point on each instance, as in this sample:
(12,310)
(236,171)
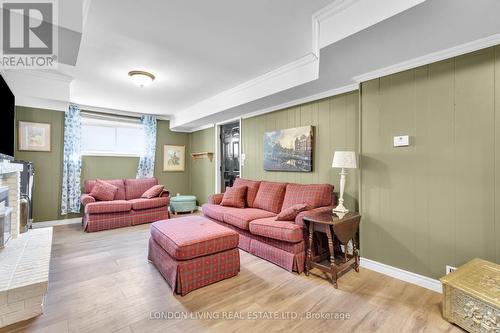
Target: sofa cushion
(270,196)
(215,212)
(143,203)
(234,197)
(134,188)
(314,195)
(290,213)
(115,206)
(120,194)
(283,230)
(240,217)
(252,189)
(103,191)
(194,236)
(153,192)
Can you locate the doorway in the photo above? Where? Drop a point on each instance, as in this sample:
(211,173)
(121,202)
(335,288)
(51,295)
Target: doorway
(230,154)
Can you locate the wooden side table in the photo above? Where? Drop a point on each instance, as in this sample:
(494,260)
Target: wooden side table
(341,228)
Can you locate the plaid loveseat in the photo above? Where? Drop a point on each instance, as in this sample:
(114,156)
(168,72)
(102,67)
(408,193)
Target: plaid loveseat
(127,208)
(280,242)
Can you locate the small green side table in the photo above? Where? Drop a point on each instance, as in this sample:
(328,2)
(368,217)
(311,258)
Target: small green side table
(183,204)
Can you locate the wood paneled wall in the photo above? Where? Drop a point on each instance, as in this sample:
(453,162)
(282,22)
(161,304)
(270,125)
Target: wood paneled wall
(203,170)
(437,201)
(335,122)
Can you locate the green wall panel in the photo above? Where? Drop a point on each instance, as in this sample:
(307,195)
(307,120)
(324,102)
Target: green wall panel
(202,170)
(175,182)
(497,153)
(48,165)
(432,203)
(108,167)
(335,122)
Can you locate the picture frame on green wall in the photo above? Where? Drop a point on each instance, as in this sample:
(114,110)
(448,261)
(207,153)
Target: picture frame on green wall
(34,136)
(174,158)
(289,149)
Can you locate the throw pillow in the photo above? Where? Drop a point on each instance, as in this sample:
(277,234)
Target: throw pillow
(270,196)
(253,188)
(153,192)
(290,213)
(235,197)
(103,191)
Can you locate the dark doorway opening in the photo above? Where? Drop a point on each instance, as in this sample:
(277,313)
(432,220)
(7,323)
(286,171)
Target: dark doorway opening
(230,154)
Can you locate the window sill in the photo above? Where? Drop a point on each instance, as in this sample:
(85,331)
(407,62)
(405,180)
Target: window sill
(106,154)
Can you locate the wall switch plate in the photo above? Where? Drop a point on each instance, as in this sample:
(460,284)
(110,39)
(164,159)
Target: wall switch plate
(401,141)
(242,159)
(450,269)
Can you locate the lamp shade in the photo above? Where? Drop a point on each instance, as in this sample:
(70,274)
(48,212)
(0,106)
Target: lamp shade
(344,159)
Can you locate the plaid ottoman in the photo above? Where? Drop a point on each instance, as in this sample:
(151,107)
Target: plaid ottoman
(192,252)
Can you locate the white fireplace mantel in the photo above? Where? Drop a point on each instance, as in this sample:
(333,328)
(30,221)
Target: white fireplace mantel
(6,167)
(10,175)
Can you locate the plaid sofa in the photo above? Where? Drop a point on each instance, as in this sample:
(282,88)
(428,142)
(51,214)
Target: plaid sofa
(280,242)
(127,208)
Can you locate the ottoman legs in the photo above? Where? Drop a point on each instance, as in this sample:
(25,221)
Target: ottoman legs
(184,276)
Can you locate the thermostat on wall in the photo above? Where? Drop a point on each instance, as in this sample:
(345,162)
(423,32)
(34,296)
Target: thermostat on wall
(401,141)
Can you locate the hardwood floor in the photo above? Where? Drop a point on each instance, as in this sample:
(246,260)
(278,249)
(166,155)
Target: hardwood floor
(102,282)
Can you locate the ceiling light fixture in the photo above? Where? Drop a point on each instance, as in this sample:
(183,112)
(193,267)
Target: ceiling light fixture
(141,78)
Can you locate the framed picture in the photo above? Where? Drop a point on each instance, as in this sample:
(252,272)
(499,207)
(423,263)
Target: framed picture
(174,158)
(289,149)
(34,136)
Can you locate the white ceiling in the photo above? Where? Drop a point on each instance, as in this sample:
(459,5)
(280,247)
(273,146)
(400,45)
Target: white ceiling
(451,27)
(220,59)
(195,49)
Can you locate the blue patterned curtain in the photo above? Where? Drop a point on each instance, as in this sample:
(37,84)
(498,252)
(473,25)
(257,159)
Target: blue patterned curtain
(72,161)
(146,167)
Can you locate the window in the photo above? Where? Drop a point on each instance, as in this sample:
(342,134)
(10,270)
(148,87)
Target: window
(110,136)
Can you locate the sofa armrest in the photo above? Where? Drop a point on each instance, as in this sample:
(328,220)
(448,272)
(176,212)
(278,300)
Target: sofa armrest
(215,199)
(299,219)
(164,193)
(86,199)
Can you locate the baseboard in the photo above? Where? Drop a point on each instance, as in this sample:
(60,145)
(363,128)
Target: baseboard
(55,223)
(400,274)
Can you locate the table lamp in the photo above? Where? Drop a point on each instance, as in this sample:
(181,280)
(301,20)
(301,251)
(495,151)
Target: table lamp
(343,160)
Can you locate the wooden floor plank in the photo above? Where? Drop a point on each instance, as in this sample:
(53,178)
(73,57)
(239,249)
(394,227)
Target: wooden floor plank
(102,282)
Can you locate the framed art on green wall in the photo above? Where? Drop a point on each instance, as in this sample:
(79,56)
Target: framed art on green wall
(174,157)
(289,149)
(34,136)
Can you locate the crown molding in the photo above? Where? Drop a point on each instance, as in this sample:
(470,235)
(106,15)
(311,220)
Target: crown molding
(344,18)
(196,129)
(431,58)
(310,98)
(325,31)
(41,103)
(57,105)
(298,72)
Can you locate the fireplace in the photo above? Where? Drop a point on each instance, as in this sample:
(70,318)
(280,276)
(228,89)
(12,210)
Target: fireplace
(5,215)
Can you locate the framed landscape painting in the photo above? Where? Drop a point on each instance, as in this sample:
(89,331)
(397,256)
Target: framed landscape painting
(289,149)
(33,136)
(174,158)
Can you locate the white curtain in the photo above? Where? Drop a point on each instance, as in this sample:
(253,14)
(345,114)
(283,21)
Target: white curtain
(146,166)
(72,161)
